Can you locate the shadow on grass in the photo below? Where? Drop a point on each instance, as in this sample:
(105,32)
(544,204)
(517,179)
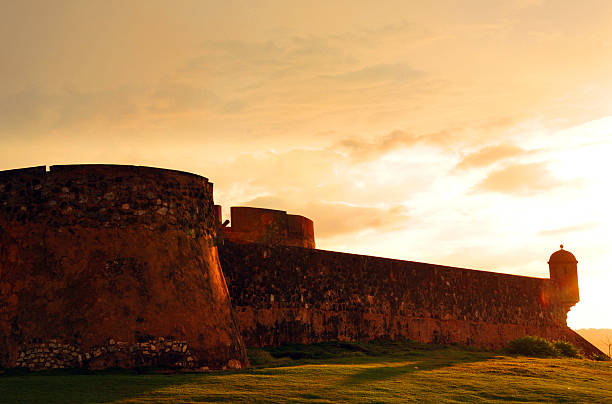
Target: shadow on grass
(353,353)
(74,386)
(437,361)
(336,352)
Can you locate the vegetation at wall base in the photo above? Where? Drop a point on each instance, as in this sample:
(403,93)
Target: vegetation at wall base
(538,347)
(566,349)
(380,371)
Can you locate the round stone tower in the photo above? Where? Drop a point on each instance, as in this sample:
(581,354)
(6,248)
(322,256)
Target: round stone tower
(564,273)
(104,266)
(269,226)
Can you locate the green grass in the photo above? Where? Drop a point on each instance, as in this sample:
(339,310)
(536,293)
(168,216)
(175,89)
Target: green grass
(336,372)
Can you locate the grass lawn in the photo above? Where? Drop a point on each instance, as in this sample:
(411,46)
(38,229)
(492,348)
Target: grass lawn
(335,372)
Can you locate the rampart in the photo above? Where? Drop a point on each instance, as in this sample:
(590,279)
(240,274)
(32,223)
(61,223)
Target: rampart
(106,265)
(288,294)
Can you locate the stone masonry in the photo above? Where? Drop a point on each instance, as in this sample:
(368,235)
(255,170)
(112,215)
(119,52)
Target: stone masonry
(97,260)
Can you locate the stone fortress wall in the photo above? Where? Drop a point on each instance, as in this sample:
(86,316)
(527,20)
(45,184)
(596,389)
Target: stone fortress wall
(105,266)
(283,294)
(112,266)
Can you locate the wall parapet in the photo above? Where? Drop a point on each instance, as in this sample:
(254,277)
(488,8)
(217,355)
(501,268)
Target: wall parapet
(109,196)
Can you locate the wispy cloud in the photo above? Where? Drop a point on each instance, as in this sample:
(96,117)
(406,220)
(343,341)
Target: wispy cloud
(568,229)
(334,218)
(33,109)
(490,155)
(520,179)
(398,72)
(362,149)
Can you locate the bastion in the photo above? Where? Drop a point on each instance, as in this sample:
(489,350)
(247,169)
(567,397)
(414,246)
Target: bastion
(104,266)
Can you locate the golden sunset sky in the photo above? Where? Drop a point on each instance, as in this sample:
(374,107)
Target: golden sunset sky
(467,133)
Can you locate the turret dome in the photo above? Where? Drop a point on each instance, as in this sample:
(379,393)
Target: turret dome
(562,256)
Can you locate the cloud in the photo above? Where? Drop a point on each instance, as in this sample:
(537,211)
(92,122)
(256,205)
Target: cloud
(338,219)
(304,176)
(568,229)
(342,196)
(334,218)
(490,155)
(177,98)
(36,112)
(520,4)
(520,179)
(361,149)
(495,258)
(292,84)
(33,109)
(23,110)
(268,60)
(398,72)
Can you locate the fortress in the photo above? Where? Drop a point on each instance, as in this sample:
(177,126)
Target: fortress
(104,266)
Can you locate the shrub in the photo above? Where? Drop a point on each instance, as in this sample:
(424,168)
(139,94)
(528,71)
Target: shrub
(259,357)
(565,348)
(531,346)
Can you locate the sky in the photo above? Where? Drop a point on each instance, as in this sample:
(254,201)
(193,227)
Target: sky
(467,133)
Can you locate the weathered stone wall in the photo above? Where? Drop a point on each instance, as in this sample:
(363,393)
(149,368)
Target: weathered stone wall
(290,294)
(97,260)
